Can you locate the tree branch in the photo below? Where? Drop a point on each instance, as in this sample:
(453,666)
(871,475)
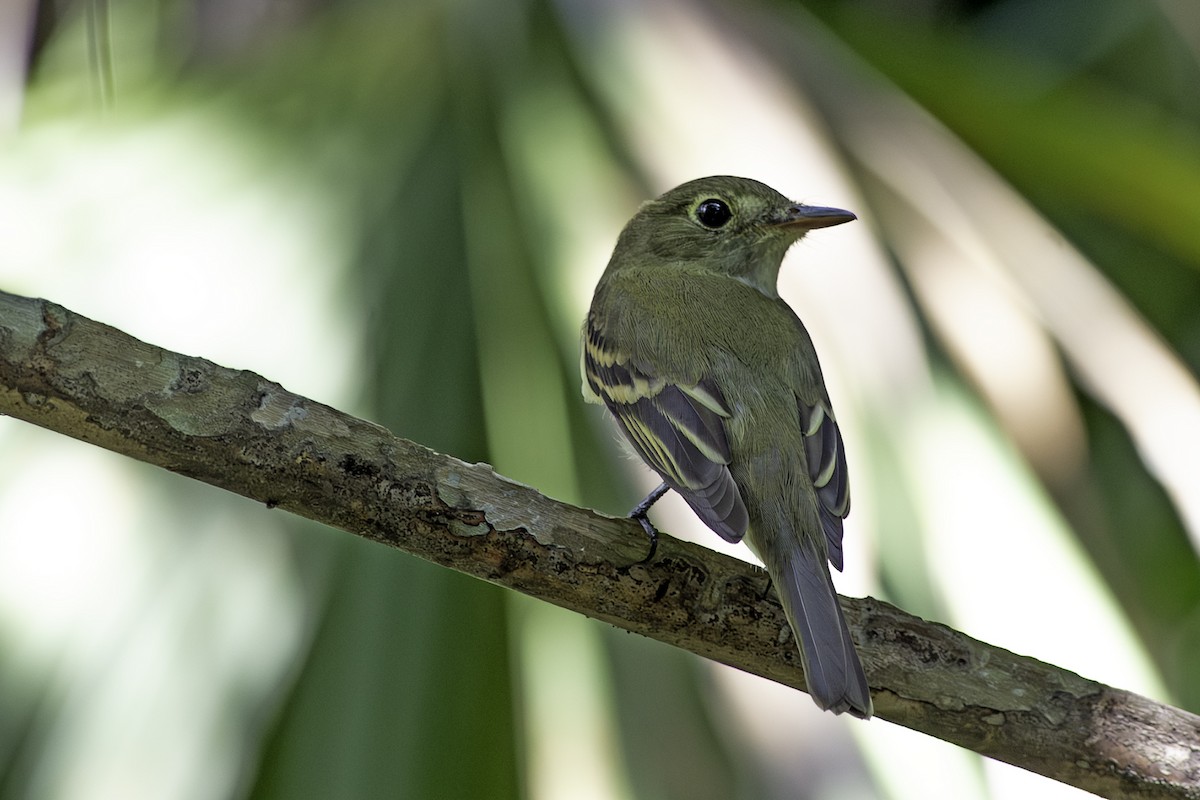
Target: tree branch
(241,432)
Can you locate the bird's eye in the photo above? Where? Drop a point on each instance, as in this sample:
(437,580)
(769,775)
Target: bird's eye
(713,213)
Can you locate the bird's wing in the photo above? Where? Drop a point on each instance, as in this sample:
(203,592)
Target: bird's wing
(677,429)
(825,457)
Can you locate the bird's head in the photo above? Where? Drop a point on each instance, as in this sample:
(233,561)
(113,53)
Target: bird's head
(723,224)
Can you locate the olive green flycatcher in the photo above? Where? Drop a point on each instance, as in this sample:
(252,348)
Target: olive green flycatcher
(715,382)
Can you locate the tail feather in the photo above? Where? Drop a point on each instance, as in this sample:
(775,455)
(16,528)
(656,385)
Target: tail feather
(831,666)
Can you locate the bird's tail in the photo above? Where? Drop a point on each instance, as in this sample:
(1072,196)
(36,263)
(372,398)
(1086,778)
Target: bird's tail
(831,667)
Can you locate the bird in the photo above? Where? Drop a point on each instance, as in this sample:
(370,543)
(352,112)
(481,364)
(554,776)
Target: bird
(716,385)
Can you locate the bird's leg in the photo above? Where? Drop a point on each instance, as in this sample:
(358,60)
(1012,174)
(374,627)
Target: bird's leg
(640,514)
(766,592)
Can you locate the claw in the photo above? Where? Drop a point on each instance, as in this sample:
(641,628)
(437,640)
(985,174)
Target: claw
(651,534)
(640,513)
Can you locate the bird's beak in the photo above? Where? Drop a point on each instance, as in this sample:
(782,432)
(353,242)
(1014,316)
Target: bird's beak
(809,217)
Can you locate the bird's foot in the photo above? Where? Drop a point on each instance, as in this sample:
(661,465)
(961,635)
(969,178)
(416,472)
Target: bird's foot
(766,592)
(641,512)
